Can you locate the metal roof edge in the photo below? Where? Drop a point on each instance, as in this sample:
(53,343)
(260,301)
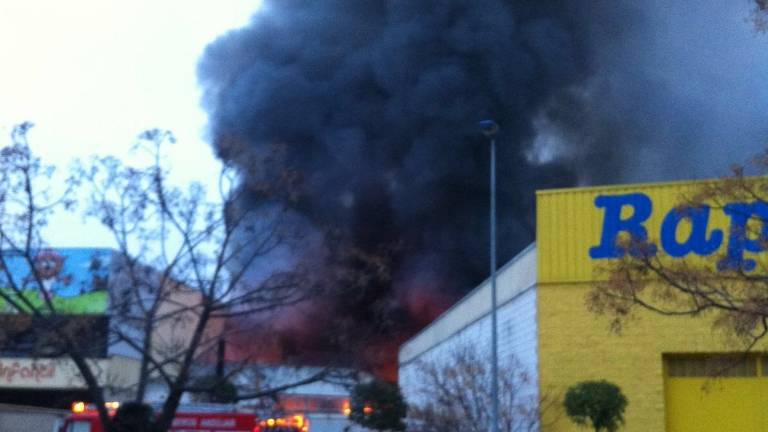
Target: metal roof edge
(637,185)
(468,295)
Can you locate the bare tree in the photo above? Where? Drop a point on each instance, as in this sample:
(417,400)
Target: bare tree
(28,198)
(190,262)
(730,286)
(184,263)
(759,15)
(454,395)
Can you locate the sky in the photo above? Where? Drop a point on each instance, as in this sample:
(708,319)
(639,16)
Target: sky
(93,74)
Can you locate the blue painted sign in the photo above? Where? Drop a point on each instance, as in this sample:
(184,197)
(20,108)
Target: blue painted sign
(701,241)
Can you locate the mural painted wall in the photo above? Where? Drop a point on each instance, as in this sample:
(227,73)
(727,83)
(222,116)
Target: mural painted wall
(75,280)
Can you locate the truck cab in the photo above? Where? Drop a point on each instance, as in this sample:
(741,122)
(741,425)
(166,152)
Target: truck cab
(85,418)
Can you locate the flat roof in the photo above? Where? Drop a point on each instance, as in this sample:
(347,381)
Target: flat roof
(633,185)
(516,276)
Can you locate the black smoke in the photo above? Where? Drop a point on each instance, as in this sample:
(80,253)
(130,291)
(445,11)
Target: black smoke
(376,103)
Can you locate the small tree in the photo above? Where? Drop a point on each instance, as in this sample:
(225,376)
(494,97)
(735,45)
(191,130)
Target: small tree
(134,417)
(760,15)
(216,389)
(598,403)
(188,261)
(454,395)
(378,405)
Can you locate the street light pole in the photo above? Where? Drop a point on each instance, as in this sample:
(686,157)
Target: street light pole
(489,129)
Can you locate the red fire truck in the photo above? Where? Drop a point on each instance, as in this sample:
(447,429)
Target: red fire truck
(84,418)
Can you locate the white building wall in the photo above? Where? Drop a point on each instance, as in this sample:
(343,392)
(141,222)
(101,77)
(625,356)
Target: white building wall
(468,324)
(325,422)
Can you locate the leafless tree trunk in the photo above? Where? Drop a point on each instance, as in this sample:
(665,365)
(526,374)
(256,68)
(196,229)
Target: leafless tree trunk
(454,395)
(28,197)
(179,243)
(183,263)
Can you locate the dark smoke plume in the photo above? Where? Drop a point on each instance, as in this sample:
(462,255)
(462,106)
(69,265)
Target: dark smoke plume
(375,104)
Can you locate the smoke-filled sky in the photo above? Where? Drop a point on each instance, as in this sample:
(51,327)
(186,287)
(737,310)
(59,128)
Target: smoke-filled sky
(375,104)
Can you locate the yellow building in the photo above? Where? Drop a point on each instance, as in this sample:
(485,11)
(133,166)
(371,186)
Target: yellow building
(663,364)
(660,362)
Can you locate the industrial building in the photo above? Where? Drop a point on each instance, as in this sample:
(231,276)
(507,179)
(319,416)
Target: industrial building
(659,362)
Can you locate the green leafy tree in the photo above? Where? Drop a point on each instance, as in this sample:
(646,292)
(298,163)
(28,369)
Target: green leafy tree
(134,417)
(378,405)
(212,388)
(597,403)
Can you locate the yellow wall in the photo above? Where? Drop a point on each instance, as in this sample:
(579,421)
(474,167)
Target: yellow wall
(576,345)
(727,404)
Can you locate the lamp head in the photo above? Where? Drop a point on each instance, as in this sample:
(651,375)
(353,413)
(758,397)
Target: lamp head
(489,128)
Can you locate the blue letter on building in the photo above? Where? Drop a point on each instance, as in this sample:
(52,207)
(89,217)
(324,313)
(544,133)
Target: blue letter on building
(738,238)
(697,241)
(613,224)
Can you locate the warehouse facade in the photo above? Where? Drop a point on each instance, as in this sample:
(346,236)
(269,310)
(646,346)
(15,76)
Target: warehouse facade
(662,363)
(466,326)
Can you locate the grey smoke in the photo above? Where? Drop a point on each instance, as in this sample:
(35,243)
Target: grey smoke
(680,94)
(377,101)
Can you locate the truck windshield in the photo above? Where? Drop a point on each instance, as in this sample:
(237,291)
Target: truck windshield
(77,426)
